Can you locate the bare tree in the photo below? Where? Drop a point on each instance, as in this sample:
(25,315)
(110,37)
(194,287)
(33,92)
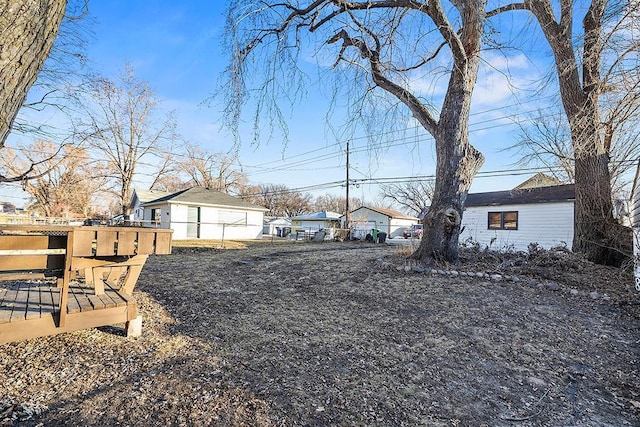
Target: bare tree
(582,70)
(381,46)
(121,121)
(67,180)
(333,203)
(413,196)
(218,171)
(278,198)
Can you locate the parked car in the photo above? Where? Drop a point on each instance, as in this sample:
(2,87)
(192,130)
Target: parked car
(414,232)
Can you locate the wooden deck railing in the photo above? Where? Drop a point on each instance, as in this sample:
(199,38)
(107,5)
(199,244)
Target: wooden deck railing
(110,257)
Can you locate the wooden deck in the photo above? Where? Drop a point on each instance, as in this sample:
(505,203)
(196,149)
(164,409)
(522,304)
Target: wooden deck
(30,310)
(89,271)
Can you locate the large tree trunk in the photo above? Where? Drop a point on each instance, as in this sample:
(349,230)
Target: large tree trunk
(594,226)
(457,161)
(596,231)
(28,29)
(456,167)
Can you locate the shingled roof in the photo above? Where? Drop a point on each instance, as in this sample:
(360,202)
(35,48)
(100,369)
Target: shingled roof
(387,212)
(555,193)
(205,196)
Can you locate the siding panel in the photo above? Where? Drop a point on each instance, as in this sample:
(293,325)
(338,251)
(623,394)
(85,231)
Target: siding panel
(547,224)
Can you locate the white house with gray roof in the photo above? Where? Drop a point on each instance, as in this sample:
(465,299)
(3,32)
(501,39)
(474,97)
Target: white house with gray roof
(515,218)
(389,221)
(201,213)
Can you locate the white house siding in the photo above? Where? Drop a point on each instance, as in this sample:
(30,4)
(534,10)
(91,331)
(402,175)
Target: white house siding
(365,219)
(215,223)
(547,224)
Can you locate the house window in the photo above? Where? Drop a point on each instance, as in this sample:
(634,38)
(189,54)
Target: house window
(155,215)
(503,220)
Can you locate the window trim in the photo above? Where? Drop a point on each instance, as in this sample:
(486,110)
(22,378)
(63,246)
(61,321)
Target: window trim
(503,215)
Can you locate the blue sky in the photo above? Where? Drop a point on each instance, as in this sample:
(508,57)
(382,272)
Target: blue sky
(176,48)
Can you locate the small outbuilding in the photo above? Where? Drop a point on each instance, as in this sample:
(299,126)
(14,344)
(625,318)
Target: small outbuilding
(515,218)
(201,213)
(307,225)
(277,226)
(389,221)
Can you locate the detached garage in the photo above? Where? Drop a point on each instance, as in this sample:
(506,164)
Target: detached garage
(201,213)
(389,221)
(513,219)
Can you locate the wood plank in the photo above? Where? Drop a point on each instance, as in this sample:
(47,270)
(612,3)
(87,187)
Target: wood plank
(66,278)
(47,305)
(107,300)
(116,271)
(127,242)
(7,252)
(83,242)
(95,303)
(55,295)
(33,301)
(24,262)
(73,304)
(13,242)
(163,243)
(83,299)
(21,276)
(20,303)
(118,297)
(146,240)
(98,280)
(7,303)
(106,242)
(46,325)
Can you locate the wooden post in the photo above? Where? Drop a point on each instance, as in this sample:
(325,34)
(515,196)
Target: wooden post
(64,292)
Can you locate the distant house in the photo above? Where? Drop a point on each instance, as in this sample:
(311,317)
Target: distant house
(139,197)
(277,226)
(515,218)
(201,213)
(389,221)
(313,222)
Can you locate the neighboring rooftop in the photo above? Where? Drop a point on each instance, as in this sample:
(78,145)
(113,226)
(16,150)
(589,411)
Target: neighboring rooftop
(554,193)
(204,196)
(388,212)
(539,180)
(320,215)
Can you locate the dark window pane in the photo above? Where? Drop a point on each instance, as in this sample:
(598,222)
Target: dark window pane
(495,220)
(511,220)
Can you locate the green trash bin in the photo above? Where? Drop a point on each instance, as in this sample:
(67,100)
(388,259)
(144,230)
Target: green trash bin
(374,234)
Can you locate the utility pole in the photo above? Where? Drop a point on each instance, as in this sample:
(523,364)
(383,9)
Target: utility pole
(347,220)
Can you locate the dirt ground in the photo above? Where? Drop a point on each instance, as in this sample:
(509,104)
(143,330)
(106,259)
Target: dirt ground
(345,334)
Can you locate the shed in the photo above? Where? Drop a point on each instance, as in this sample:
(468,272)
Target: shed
(277,226)
(515,218)
(201,213)
(390,221)
(309,224)
(139,197)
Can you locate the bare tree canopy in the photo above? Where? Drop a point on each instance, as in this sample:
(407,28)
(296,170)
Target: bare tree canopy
(279,199)
(66,179)
(413,197)
(28,30)
(378,49)
(120,121)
